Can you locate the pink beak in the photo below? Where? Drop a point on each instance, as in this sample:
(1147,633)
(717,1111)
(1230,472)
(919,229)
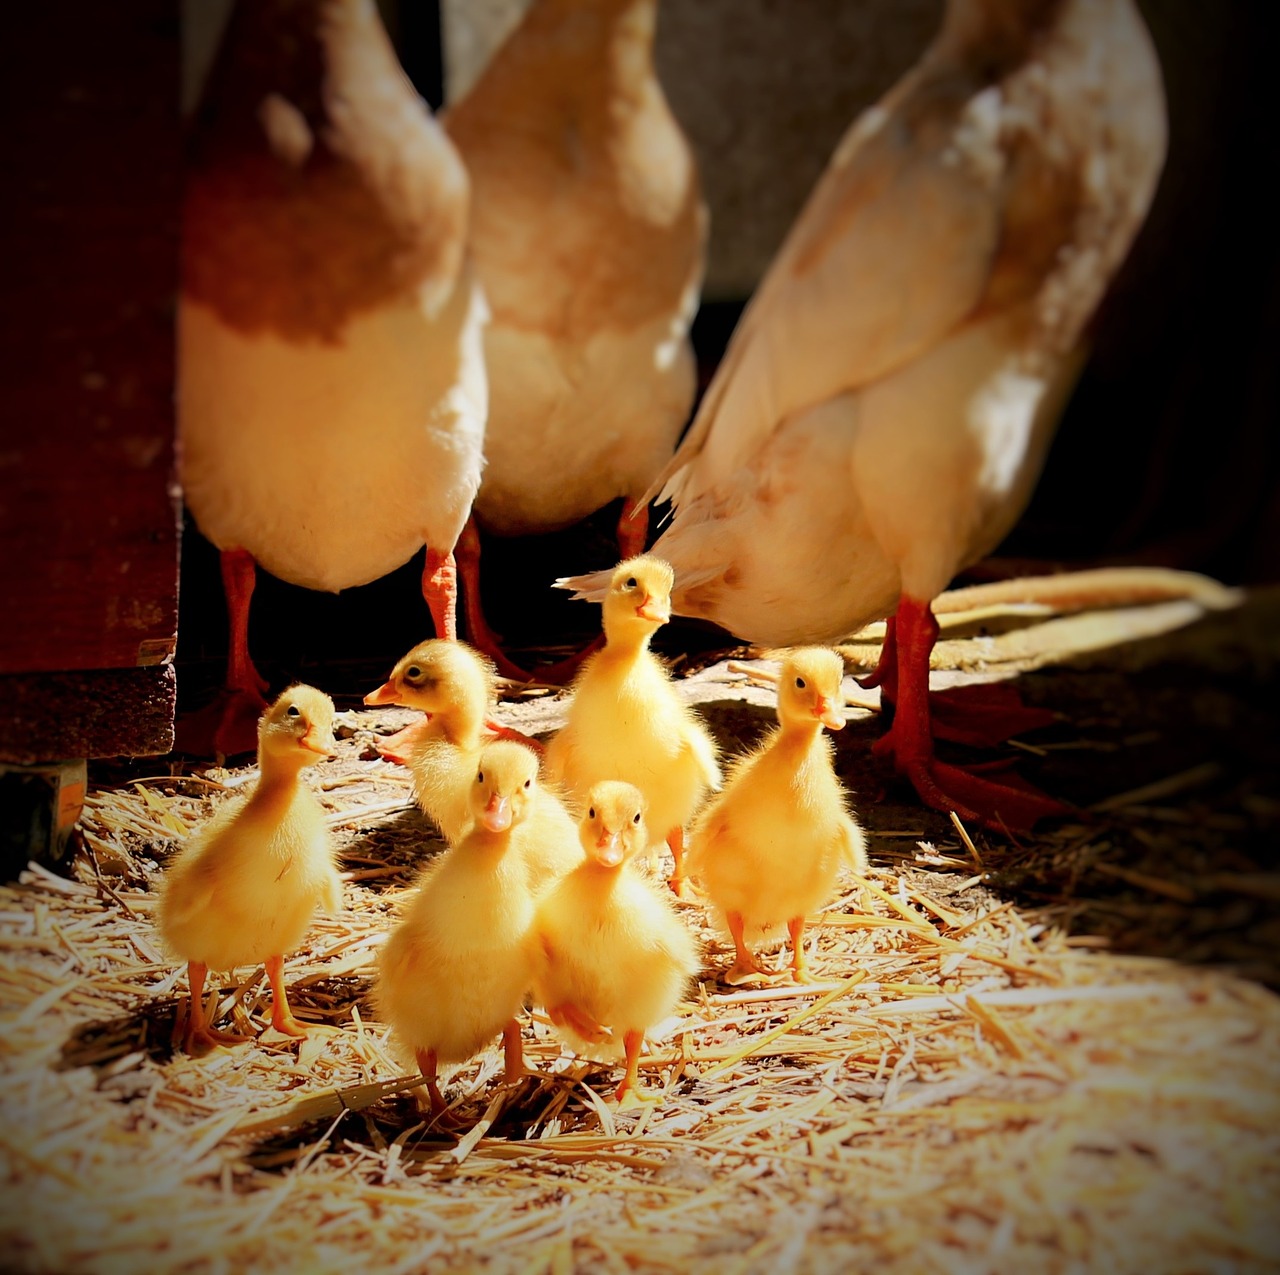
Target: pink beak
(609,849)
(650,610)
(827,713)
(496,816)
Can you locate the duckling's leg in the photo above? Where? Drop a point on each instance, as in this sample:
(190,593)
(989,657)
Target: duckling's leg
(576,1019)
(799,966)
(630,1083)
(745,966)
(1009,804)
(200,1036)
(512,1052)
(675,842)
(282,1018)
(427,1065)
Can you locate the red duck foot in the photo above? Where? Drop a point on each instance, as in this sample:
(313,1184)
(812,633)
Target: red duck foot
(984,715)
(225,727)
(1009,804)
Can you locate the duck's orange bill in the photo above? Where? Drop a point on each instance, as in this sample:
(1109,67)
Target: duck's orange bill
(314,745)
(650,610)
(609,849)
(385,694)
(496,816)
(828,713)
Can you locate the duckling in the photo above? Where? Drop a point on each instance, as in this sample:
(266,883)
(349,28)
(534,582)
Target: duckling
(455,969)
(626,720)
(245,887)
(767,849)
(611,958)
(330,348)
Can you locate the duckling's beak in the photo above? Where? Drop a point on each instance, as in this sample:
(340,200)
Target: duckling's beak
(496,816)
(385,694)
(652,610)
(318,741)
(609,851)
(828,713)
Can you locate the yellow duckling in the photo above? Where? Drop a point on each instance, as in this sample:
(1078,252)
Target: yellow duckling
(453,684)
(767,849)
(626,720)
(611,958)
(455,969)
(245,887)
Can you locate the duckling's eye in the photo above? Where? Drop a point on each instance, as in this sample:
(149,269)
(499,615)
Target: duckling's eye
(591,814)
(636,817)
(413,672)
(480,776)
(799,683)
(632,582)
(293,711)
(528,783)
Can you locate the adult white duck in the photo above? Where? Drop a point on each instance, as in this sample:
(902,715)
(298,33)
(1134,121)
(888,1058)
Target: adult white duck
(332,393)
(886,402)
(588,232)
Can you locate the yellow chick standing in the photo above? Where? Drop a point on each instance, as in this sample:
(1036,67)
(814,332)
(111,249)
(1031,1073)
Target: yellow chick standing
(454,686)
(610,956)
(245,887)
(767,849)
(455,969)
(626,720)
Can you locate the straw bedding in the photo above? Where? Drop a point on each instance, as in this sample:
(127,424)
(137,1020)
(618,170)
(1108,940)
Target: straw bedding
(981,1083)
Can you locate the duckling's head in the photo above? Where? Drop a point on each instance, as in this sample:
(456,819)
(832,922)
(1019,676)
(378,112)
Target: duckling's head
(298,727)
(436,676)
(505,782)
(809,687)
(639,599)
(613,829)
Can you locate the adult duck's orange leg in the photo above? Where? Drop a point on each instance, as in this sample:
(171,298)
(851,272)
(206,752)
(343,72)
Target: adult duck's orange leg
(744,965)
(440,589)
(1008,803)
(200,1036)
(633,529)
(229,725)
(282,1018)
(981,716)
(479,634)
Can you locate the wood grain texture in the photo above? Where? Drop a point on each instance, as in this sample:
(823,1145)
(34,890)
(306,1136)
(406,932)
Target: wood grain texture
(87,507)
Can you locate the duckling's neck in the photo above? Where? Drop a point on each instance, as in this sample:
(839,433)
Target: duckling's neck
(460,724)
(799,734)
(626,643)
(278,780)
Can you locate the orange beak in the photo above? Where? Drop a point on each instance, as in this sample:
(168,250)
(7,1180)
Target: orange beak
(385,694)
(313,744)
(828,713)
(653,611)
(609,852)
(496,816)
